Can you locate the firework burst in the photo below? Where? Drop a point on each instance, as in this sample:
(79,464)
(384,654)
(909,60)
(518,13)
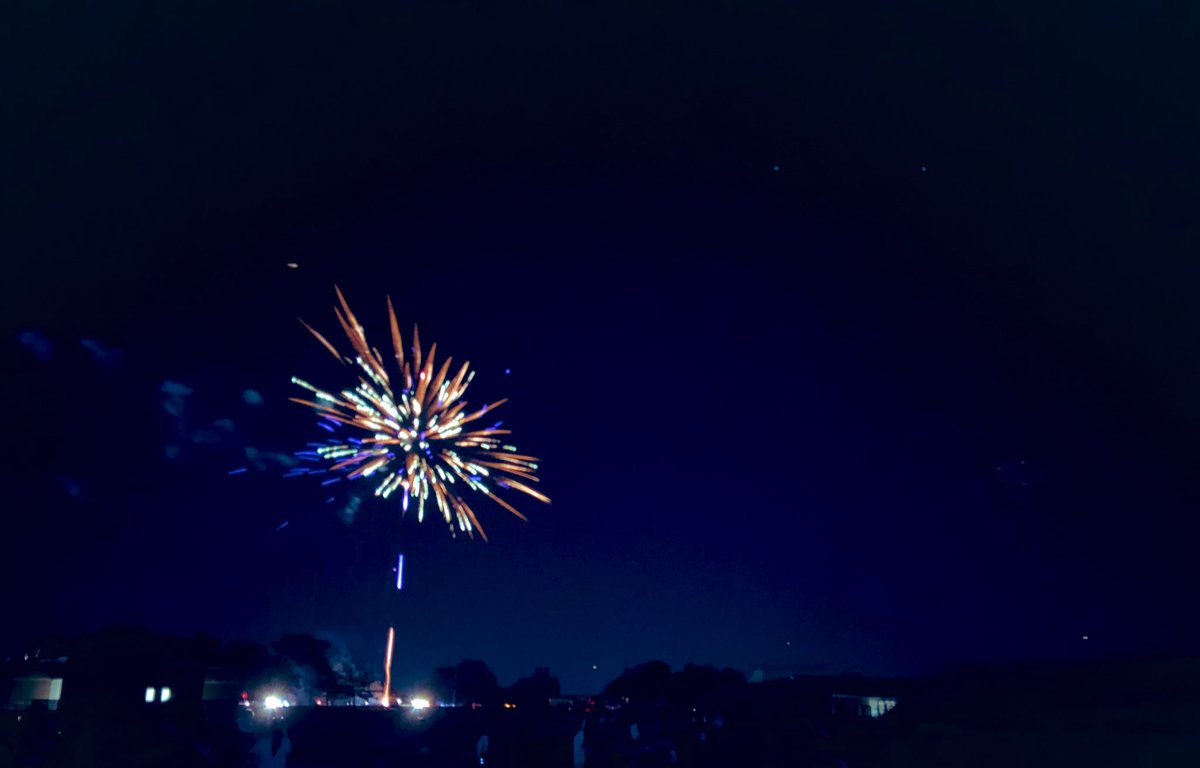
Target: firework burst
(413,429)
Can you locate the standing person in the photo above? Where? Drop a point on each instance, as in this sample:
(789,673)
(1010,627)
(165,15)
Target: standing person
(272,751)
(577,749)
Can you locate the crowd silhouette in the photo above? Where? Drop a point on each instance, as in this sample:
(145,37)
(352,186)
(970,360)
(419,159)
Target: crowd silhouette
(1114,713)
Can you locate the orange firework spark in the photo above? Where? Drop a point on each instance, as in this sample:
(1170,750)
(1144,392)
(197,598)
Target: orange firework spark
(413,426)
(387,668)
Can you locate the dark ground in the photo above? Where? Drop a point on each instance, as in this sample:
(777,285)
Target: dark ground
(1106,714)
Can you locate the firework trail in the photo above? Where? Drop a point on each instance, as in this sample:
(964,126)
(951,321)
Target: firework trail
(412,430)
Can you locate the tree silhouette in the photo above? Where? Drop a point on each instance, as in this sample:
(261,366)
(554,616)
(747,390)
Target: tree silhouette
(469,682)
(644,683)
(308,651)
(700,686)
(536,690)
(243,659)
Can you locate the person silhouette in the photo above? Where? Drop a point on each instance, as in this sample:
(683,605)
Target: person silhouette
(272,750)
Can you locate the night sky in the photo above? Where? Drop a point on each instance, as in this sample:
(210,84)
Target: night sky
(850,339)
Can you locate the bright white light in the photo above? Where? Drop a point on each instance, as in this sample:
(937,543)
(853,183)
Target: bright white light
(150,694)
(274,702)
(166,694)
(420,703)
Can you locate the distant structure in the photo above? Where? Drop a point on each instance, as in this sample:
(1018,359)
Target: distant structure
(223,684)
(35,692)
(848,695)
(34,683)
(788,672)
(862,706)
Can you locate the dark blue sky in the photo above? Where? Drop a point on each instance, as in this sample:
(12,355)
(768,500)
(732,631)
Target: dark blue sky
(780,290)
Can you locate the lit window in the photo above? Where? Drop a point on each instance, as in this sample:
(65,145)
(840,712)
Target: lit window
(166,694)
(150,694)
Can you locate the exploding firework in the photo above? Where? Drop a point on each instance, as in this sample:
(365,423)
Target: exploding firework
(412,426)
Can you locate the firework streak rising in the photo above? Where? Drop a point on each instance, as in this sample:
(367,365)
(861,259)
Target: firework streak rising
(413,430)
